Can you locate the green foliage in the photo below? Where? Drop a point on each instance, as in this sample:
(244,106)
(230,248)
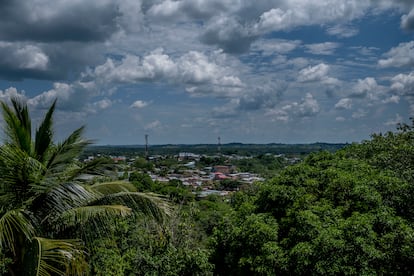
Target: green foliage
(265,164)
(145,165)
(142,181)
(142,247)
(344,213)
(42,203)
(246,245)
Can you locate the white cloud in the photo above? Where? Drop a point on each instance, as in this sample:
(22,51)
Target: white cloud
(360,113)
(194,70)
(23,56)
(139,104)
(72,97)
(365,87)
(342,31)
(403,83)
(307,107)
(393,122)
(98,106)
(165,9)
(392,99)
(279,46)
(325,48)
(290,14)
(317,73)
(407,21)
(400,56)
(11,92)
(153,125)
(345,103)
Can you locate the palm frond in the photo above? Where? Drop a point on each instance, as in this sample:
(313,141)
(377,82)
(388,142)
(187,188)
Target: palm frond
(98,166)
(113,187)
(55,257)
(18,125)
(100,215)
(61,199)
(18,171)
(67,151)
(44,134)
(14,224)
(147,204)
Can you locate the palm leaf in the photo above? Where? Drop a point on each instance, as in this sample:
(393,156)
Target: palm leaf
(67,151)
(98,166)
(18,172)
(55,257)
(61,199)
(113,187)
(18,125)
(44,134)
(101,216)
(14,224)
(148,204)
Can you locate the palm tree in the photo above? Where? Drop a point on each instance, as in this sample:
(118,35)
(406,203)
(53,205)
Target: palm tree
(41,201)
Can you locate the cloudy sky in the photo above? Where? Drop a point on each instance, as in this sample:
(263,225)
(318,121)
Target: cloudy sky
(188,71)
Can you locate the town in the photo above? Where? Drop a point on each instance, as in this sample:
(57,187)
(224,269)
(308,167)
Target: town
(220,172)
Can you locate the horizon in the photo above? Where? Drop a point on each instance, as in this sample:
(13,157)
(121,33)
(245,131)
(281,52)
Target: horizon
(186,72)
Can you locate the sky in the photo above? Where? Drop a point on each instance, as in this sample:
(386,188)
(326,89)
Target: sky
(190,71)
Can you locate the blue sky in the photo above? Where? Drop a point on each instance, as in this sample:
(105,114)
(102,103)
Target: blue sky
(188,71)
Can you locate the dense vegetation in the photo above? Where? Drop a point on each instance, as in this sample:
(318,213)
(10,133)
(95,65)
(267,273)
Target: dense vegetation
(346,212)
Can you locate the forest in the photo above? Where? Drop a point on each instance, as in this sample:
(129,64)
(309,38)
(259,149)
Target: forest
(347,212)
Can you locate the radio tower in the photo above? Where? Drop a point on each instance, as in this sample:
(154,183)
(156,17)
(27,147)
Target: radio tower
(146,146)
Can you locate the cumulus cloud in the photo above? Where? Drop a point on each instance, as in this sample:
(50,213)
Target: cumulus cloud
(153,125)
(71,97)
(82,21)
(366,87)
(229,34)
(139,104)
(98,106)
(392,99)
(407,21)
(317,73)
(290,14)
(395,121)
(400,56)
(18,58)
(194,70)
(360,113)
(325,48)
(11,92)
(276,46)
(403,84)
(313,73)
(307,107)
(344,103)
(342,31)
(196,9)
